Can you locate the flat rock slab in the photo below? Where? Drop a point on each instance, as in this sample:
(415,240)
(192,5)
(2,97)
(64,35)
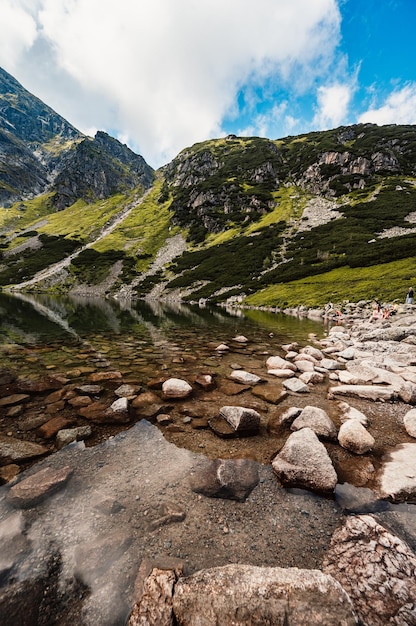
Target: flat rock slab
(369,392)
(261,595)
(16,450)
(32,490)
(16,398)
(398,475)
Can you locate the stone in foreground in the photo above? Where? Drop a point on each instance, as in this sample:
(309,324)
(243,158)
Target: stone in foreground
(304,462)
(377,569)
(246,594)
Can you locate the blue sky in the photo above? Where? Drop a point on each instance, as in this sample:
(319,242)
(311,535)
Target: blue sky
(161,75)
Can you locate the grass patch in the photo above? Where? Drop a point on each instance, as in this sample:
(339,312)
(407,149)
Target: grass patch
(385,282)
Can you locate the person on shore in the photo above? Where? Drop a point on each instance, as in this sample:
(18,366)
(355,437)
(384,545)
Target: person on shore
(410,296)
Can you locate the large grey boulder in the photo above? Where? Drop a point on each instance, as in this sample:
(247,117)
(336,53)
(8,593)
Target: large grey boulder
(304,462)
(255,596)
(354,437)
(377,569)
(318,420)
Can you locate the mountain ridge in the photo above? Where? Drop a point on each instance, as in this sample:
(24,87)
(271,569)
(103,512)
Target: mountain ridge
(254,215)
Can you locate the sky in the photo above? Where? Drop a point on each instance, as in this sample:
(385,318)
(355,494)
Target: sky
(161,75)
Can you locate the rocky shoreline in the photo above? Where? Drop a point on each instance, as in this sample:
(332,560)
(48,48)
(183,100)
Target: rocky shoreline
(334,417)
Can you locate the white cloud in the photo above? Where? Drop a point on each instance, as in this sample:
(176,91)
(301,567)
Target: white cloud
(165,73)
(333,104)
(18,31)
(399,108)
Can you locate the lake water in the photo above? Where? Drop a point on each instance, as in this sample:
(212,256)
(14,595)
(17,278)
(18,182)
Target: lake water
(138,338)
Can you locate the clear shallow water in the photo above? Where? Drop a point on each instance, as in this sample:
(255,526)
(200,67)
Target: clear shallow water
(137,336)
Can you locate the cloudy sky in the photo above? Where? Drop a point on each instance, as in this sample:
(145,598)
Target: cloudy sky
(161,75)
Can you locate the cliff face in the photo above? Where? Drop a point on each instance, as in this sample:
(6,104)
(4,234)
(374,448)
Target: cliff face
(40,151)
(234,179)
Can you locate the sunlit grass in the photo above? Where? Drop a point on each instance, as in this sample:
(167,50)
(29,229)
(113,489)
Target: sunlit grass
(385,282)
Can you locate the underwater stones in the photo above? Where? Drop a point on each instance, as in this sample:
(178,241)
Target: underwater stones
(14,399)
(304,462)
(226,478)
(38,486)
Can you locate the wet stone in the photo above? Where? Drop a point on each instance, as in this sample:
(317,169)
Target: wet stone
(16,398)
(90,390)
(12,449)
(32,490)
(50,428)
(221,427)
(270,393)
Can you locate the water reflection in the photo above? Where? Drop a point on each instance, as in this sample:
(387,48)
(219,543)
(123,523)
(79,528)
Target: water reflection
(35,318)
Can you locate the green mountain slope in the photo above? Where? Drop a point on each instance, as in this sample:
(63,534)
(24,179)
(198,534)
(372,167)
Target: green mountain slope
(323,216)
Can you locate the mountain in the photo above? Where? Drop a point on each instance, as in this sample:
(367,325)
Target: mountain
(304,219)
(40,151)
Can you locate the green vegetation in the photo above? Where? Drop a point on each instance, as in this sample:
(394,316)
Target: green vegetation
(385,282)
(24,266)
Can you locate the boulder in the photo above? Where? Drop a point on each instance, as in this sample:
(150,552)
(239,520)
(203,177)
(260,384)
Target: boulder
(241,419)
(35,488)
(246,594)
(68,435)
(312,378)
(376,569)
(176,389)
(228,479)
(354,437)
(304,462)
(409,422)
(155,605)
(318,420)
